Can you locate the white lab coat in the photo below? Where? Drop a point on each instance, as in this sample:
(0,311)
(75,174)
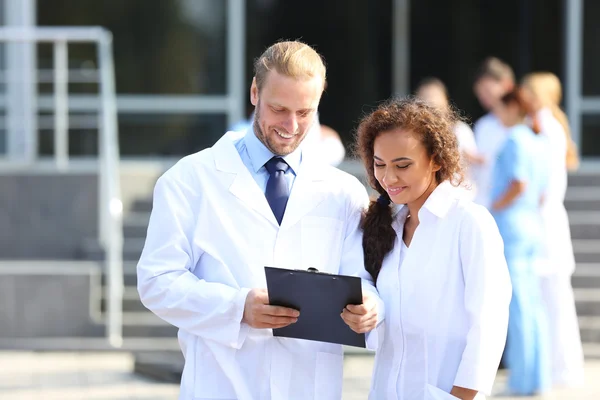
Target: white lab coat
(466,143)
(558,250)
(557,263)
(490,135)
(446,305)
(211,233)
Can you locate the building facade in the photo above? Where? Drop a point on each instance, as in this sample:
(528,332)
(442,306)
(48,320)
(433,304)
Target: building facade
(183,67)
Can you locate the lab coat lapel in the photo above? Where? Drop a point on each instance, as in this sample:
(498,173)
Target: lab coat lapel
(307,192)
(236,176)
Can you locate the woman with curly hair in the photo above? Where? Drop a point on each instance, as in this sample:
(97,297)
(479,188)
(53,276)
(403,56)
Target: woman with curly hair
(437,259)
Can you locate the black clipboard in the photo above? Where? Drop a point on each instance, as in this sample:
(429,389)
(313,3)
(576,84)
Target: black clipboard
(320,298)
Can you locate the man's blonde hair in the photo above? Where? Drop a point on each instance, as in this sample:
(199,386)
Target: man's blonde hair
(291,58)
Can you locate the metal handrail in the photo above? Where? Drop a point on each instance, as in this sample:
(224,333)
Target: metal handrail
(109,190)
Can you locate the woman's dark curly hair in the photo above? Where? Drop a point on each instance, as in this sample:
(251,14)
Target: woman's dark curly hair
(436,130)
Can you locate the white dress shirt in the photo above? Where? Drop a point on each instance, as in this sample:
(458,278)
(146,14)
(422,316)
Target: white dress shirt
(447,300)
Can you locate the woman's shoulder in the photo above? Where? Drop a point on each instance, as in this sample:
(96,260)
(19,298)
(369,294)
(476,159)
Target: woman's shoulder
(472,214)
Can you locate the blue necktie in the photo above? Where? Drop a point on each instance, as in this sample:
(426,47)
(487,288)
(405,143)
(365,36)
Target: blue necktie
(277,192)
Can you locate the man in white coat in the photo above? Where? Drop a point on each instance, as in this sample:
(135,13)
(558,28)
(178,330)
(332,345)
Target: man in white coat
(494,79)
(254,200)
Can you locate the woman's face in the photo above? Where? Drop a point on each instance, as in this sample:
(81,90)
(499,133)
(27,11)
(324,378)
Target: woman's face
(402,166)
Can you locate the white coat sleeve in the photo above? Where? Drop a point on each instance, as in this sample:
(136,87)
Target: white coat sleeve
(487,298)
(166,286)
(352,262)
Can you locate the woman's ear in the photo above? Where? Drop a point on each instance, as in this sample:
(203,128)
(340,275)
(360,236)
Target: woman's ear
(435,167)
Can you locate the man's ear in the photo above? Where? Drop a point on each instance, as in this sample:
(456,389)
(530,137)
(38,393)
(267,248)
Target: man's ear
(254,92)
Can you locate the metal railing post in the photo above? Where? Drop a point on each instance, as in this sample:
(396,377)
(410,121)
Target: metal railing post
(61,112)
(109,164)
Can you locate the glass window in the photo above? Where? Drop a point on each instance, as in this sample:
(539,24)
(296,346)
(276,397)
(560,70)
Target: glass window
(83,68)
(83,134)
(354,37)
(160,47)
(590,135)
(591,55)
(143,135)
(169,134)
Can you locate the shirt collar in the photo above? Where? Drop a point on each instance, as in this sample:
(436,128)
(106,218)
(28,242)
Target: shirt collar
(259,154)
(438,203)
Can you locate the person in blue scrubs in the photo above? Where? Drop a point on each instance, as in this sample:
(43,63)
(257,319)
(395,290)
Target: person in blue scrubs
(520,178)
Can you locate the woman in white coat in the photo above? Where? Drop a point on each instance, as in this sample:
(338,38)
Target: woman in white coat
(437,259)
(542,92)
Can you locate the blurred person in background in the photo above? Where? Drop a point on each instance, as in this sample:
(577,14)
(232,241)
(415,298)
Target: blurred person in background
(519,186)
(437,259)
(541,91)
(493,80)
(433,91)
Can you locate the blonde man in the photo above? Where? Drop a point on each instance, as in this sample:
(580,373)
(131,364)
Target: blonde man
(221,215)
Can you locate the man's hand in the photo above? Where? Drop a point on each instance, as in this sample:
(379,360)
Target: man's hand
(260,315)
(361,318)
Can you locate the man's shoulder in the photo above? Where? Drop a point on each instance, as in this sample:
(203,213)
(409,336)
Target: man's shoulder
(182,169)
(485,121)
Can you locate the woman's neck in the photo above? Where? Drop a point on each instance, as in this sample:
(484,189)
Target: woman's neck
(415,206)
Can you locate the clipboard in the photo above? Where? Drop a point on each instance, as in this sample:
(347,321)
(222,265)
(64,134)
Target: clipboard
(320,298)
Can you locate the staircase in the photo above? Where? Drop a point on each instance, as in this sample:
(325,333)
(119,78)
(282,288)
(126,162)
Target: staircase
(582,202)
(142,330)
(583,206)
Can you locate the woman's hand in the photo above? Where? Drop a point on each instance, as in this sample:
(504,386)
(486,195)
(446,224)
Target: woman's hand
(361,318)
(463,393)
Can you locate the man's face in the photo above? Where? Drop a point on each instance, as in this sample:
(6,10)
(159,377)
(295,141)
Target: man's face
(489,92)
(285,110)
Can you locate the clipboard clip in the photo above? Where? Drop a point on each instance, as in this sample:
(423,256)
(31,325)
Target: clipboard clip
(314,271)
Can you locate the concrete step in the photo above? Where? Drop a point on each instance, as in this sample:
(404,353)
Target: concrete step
(591,351)
(130,344)
(146,324)
(584,179)
(131,300)
(129,274)
(583,199)
(587,275)
(589,326)
(587,301)
(135,224)
(586,251)
(585,224)
(132,249)
(142,205)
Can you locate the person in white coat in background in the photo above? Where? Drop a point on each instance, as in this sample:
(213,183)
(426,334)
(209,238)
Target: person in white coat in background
(433,91)
(254,200)
(493,80)
(437,259)
(541,90)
